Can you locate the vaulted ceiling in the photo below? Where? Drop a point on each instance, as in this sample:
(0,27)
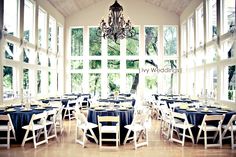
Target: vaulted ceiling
(68,7)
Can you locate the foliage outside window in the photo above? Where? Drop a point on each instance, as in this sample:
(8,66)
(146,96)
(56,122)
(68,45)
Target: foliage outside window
(76,82)
(228,15)
(26,79)
(113,47)
(113,64)
(49,82)
(170,76)
(77,41)
(11,16)
(8,82)
(38,81)
(132,44)
(76,64)
(113,82)
(230,82)
(228,49)
(151,40)
(42,16)
(170,40)
(95,42)
(212,27)
(151,84)
(132,81)
(95,64)
(52,34)
(26,54)
(132,64)
(9,51)
(29,21)
(95,84)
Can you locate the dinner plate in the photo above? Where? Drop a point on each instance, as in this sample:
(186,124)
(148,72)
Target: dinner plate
(222,111)
(10,110)
(39,108)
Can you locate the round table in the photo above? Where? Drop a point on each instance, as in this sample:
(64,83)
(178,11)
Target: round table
(126,117)
(20,118)
(196,117)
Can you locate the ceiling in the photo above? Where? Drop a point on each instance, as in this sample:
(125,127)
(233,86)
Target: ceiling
(68,7)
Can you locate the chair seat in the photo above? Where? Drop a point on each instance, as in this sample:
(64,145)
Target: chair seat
(136,127)
(36,127)
(4,128)
(88,125)
(234,127)
(108,129)
(209,128)
(182,125)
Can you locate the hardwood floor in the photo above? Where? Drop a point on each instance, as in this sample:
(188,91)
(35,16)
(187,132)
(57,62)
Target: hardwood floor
(65,146)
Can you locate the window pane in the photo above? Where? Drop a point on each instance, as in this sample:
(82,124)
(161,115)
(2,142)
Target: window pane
(95,84)
(228,49)
(113,64)
(170,77)
(29,21)
(76,82)
(132,64)
(211,54)
(184,39)
(59,39)
(113,47)
(42,17)
(76,41)
(95,64)
(76,64)
(49,82)
(211,83)
(52,34)
(151,40)
(11,16)
(26,79)
(95,43)
(9,51)
(132,44)
(170,40)
(231,83)
(38,81)
(212,28)
(38,58)
(8,82)
(200,27)
(151,84)
(113,82)
(26,54)
(228,15)
(132,81)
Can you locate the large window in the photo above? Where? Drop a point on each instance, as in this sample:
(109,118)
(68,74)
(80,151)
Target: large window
(76,82)
(229,83)
(200,26)
(8,91)
(52,34)
(95,84)
(132,44)
(191,33)
(95,42)
(113,82)
(170,40)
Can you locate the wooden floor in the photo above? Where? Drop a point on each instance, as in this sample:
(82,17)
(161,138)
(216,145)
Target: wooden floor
(158,147)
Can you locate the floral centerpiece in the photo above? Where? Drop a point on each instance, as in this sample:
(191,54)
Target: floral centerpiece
(116,94)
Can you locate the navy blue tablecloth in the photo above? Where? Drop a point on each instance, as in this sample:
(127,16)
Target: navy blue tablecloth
(126,117)
(171,101)
(117,101)
(20,118)
(196,117)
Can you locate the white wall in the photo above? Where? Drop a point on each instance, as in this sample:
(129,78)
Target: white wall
(189,10)
(140,13)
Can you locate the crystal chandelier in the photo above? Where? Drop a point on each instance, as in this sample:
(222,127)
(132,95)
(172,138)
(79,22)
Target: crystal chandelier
(117,27)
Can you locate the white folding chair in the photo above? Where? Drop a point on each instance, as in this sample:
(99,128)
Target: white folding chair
(51,123)
(165,125)
(36,127)
(83,125)
(206,127)
(59,119)
(180,121)
(7,126)
(138,128)
(109,129)
(81,101)
(71,105)
(230,127)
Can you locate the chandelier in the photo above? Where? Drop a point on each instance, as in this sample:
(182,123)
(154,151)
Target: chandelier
(116,27)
